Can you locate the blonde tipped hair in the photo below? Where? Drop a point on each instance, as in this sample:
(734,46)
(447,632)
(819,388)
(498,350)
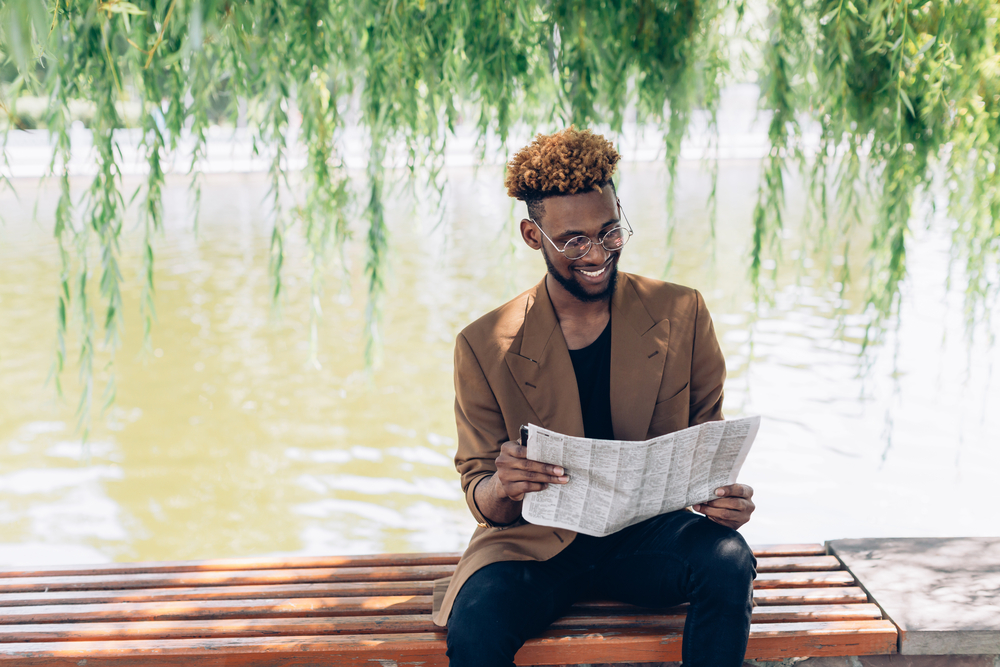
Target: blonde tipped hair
(564,163)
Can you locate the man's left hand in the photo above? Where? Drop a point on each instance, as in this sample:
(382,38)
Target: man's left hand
(732,508)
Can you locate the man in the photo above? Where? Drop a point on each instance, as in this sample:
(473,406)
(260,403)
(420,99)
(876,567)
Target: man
(588,351)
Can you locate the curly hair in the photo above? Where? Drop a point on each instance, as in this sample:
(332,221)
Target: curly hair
(564,163)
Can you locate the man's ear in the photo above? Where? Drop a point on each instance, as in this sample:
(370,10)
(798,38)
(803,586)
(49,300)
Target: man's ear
(529,232)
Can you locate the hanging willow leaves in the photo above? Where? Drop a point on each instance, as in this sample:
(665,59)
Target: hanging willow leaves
(905,95)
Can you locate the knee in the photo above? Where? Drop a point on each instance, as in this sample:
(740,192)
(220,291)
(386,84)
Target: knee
(734,560)
(727,564)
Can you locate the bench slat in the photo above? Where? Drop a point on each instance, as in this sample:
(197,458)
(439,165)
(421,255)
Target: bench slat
(787,640)
(781,596)
(797,563)
(802,579)
(226,578)
(302,562)
(219,593)
(767,642)
(221,609)
(409,649)
(633,619)
(313,575)
(236,564)
(772,641)
(765,550)
(331,606)
(28,598)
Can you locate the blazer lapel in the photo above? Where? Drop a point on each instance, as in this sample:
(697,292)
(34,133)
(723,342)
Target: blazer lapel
(638,354)
(542,367)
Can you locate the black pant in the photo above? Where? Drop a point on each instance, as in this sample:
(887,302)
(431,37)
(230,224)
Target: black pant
(661,562)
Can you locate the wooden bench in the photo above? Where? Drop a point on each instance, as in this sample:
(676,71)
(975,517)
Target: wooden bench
(375,610)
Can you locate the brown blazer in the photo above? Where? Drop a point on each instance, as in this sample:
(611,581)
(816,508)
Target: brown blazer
(512,367)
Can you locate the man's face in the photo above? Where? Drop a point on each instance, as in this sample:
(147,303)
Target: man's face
(592,277)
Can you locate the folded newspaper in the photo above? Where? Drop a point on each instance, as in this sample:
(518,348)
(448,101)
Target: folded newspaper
(617,483)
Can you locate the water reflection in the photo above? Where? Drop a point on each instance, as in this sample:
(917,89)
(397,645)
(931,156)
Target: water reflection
(225,441)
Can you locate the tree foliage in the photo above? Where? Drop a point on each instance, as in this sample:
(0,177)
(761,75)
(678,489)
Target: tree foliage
(905,95)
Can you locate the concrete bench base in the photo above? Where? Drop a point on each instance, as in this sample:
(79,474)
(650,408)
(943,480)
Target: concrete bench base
(942,593)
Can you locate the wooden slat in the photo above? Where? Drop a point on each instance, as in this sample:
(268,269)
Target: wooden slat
(67,610)
(766,550)
(289,627)
(326,606)
(219,609)
(803,579)
(270,591)
(578,618)
(791,613)
(235,578)
(332,607)
(786,640)
(352,650)
(785,596)
(773,641)
(798,563)
(306,562)
(253,627)
(817,612)
(768,566)
(235,564)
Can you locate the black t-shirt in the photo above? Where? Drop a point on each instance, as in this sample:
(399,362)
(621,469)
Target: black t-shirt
(592,365)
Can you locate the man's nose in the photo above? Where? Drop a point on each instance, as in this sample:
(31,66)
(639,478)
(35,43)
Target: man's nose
(599,248)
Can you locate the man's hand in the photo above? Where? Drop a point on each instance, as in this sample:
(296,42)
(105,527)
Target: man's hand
(733,507)
(516,475)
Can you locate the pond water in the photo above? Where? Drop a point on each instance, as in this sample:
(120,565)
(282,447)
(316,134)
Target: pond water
(225,440)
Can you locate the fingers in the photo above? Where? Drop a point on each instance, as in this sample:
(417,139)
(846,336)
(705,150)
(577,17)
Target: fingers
(723,512)
(513,457)
(518,475)
(735,490)
(514,449)
(732,511)
(516,490)
(733,503)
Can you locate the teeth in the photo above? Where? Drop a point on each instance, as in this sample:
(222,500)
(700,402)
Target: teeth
(593,274)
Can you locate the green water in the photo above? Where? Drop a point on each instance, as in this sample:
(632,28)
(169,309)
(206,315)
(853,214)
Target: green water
(226,441)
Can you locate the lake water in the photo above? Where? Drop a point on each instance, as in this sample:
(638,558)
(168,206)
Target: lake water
(225,441)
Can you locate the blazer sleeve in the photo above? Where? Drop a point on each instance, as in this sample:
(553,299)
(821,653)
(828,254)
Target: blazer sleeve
(708,369)
(480,424)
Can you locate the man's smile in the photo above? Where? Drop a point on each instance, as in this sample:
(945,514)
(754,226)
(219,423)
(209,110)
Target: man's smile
(595,274)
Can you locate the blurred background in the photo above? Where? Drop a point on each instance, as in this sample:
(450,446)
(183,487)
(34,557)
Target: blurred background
(225,440)
(262,225)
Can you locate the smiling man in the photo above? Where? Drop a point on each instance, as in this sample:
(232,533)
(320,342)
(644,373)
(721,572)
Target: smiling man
(589,352)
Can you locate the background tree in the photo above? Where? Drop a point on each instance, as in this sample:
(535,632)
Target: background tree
(905,95)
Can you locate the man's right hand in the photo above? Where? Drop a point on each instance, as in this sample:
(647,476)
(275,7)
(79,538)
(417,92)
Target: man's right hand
(516,475)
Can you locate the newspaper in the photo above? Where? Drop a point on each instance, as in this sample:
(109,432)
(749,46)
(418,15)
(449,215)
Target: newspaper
(616,483)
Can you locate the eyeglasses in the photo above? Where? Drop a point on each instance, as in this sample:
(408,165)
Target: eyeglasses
(577,247)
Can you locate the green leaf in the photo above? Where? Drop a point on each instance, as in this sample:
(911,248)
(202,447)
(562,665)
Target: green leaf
(906,100)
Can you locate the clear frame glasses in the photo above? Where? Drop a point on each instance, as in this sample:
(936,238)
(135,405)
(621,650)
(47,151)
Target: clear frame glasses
(577,247)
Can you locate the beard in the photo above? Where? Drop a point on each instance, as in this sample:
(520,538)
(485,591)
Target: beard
(577,290)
